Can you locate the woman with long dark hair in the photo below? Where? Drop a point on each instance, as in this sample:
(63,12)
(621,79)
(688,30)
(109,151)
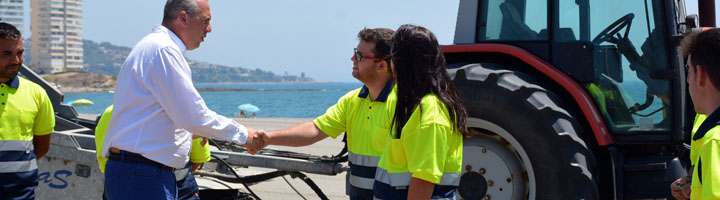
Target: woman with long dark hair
(423,160)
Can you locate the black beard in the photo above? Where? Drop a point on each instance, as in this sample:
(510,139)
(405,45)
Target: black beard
(3,72)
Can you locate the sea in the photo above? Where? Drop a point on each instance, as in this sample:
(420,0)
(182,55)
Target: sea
(298,100)
(275,100)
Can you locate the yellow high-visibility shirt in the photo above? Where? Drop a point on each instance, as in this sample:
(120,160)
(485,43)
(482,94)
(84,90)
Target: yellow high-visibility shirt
(366,122)
(694,145)
(25,110)
(709,156)
(429,147)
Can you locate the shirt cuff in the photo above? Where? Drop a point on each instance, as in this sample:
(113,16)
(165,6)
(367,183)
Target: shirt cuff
(241,136)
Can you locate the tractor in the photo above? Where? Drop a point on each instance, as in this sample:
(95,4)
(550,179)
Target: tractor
(573,99)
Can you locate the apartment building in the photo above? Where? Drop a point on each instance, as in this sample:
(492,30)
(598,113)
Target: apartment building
(11,11)
(56,27)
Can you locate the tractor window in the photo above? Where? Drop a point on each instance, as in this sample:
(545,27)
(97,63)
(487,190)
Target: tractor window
(513,20)
(629,44)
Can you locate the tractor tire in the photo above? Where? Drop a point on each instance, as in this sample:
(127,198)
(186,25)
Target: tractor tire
(524,144)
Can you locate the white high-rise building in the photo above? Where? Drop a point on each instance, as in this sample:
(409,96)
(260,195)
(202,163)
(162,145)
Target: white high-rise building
(56,27)
(11,11)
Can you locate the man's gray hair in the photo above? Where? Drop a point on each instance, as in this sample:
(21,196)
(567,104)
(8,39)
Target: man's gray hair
(173,8)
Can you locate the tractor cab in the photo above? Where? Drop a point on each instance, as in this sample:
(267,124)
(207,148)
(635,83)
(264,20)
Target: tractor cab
(619,51)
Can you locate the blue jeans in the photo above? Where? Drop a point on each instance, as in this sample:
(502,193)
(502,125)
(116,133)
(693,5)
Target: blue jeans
(134,180)
(188,187)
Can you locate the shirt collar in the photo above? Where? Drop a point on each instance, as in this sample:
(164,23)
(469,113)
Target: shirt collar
(173,36)
(14,83)
(365,91)
(710,122)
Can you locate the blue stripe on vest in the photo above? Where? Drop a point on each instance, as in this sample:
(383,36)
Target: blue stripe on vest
(16,156)
(20,185)
(357,193)
(385,191)
(362,171)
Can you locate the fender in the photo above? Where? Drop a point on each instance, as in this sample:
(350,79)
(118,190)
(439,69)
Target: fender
(582,98)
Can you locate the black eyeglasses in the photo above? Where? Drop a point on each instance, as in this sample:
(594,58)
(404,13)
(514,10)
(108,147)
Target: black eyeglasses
(359,57)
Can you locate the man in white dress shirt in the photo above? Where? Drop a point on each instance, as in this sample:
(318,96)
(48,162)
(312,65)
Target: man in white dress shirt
(157,108)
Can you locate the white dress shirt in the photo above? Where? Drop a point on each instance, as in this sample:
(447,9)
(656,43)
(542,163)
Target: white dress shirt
(157,107)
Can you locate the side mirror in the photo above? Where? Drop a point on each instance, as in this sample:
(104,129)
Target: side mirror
(691,22)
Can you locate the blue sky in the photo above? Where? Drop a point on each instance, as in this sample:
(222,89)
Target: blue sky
(315,37)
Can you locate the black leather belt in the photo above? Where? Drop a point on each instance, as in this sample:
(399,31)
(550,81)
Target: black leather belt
(126,156)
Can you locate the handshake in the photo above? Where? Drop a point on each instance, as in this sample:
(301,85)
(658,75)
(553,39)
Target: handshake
(257,140)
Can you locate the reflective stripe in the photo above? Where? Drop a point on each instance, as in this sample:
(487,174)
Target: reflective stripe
(385,191)
(403,179)
(18,166)
(360,182)
(363,160)
(15,145)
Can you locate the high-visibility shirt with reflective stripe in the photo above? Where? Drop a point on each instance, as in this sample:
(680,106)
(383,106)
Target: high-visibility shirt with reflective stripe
(430,148)
(695,144)
(709,153)
(367,123)
(25,110)
(198,154)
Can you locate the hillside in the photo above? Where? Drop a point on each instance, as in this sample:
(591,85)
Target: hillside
(82,81)
(106,58)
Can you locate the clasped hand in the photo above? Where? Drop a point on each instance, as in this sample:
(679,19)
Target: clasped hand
(257,140)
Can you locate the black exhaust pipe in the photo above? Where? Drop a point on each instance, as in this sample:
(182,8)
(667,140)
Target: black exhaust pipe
(706,10)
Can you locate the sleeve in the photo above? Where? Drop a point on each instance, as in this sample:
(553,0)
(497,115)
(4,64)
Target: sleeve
(710,157)
(426,151)
(334,121)
(199,153)
(100,130)
(45,118)
(171,84)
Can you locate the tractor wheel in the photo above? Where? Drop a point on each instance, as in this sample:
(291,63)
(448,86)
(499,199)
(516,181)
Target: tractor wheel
(524,144)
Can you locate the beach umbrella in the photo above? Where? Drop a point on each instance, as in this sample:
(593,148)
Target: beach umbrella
(82,102)
(249,108)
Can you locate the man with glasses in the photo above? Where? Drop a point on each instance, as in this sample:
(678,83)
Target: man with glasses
(365,114)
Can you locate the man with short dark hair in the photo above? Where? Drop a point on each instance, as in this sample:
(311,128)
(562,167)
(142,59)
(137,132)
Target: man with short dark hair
(156,109)
(703,81)
(26,121)
(365,114)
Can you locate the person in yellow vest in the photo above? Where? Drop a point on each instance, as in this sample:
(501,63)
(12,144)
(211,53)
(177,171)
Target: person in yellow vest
(26,121)
(187,187)
(363,113)
(423,155)
(703,80)
(680,188)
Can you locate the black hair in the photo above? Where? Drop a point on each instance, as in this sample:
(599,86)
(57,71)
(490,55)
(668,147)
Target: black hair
(420,69)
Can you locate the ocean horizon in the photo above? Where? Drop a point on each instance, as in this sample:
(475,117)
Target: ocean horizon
(275,100)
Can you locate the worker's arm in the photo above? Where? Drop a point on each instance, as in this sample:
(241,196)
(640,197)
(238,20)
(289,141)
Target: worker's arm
(42,145)
(299,135)
(195,166)
(420,189)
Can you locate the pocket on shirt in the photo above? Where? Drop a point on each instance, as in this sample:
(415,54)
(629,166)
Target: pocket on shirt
(27,120)
(380,137)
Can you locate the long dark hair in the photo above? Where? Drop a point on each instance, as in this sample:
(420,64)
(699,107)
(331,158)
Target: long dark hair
(420,69)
